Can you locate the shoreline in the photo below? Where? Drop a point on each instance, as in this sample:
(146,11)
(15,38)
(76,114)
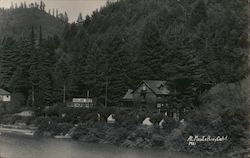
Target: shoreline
(110,145)
(31,133)
(21,130)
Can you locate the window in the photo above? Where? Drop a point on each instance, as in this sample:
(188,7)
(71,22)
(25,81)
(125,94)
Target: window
(176,116)
(143,100)
(161,86)
(159,105)
(144,91)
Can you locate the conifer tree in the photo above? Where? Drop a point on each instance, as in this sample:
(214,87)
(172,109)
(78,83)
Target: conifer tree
(53,13)
(152,49)
(8,53)
(36,5)
(24,4)
(12,5)
(21,5)
(87,21)
(57,14)
(199,13)
(41,5)
(80,18)
(66,18)
(61,76)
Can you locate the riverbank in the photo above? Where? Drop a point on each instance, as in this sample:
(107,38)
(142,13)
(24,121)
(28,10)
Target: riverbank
(83,125)
(18,146)
(138,137)
(132,137)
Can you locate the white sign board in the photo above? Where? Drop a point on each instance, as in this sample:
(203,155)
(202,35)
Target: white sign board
(82,100)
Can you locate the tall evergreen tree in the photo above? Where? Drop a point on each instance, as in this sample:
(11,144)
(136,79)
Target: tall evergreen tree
(152,50)
(66,18)
(8,55)
(80,18)
(199,13)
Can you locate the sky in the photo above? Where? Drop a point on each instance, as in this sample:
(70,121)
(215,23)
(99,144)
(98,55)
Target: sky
(72,7)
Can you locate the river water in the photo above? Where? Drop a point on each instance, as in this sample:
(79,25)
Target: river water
(17,146)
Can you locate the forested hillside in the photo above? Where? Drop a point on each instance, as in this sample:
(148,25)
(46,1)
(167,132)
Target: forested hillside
(17,22)
(191,44)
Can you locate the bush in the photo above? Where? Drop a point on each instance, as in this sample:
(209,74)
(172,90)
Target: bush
(47,125)
(223,113)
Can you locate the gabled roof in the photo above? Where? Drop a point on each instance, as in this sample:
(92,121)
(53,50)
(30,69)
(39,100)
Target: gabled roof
(4,92)
(157,86)
(128,95)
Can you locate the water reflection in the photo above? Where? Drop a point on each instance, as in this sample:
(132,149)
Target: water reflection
(14,146)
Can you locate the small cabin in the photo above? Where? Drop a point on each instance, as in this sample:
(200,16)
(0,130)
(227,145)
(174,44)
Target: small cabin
(4,96)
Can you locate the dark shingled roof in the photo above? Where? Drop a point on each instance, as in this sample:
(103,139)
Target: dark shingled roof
(4,92)
(128,95)
(157,86)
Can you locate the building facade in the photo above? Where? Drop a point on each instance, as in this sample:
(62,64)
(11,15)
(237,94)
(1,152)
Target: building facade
(151,95)
(148,94)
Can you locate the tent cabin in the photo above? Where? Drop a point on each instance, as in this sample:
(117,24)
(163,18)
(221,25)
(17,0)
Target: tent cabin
(4,96)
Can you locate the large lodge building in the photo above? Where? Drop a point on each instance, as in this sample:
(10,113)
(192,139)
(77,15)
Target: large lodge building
(151,94)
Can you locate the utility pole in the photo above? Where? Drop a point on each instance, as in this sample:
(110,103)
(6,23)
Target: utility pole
(88,104)
(33,96)
(87,93)
(64,94)
(106,93)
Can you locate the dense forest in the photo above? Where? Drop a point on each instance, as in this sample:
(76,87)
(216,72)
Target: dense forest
(19,18)
(193,45)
